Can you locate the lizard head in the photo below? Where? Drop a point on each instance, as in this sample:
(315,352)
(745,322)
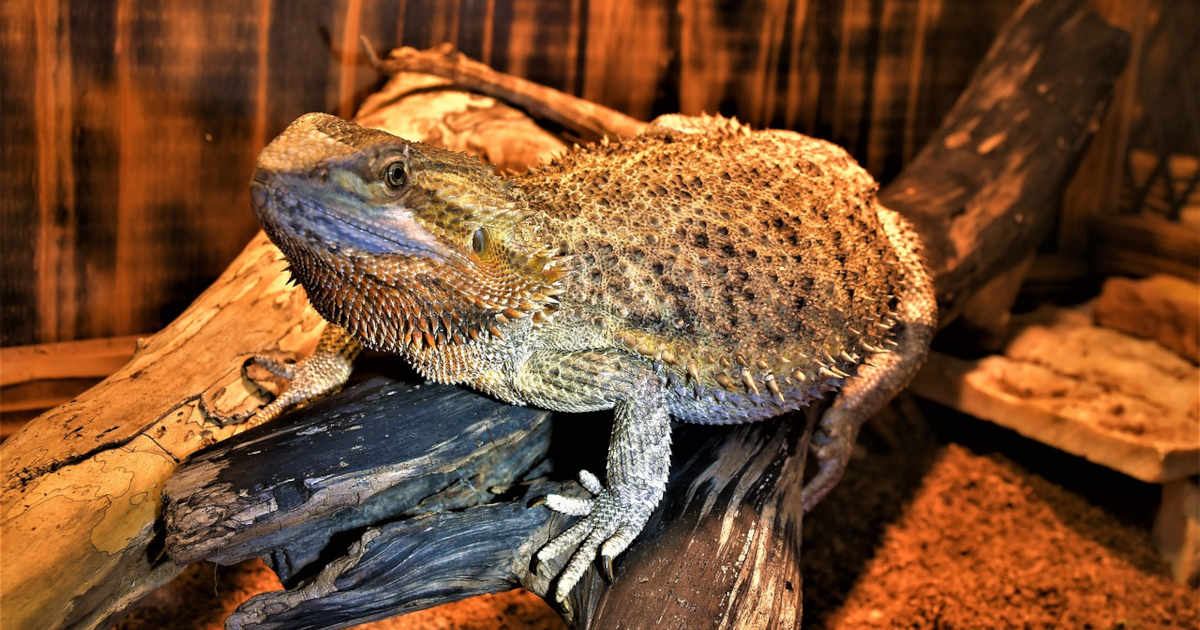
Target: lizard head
(401,243)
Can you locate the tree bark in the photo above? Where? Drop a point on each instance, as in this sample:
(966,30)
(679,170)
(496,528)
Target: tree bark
(87,474)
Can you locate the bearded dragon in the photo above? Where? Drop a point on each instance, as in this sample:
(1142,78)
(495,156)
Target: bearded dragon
(700,271)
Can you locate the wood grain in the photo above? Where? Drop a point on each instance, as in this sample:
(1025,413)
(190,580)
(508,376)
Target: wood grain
(96,465)
(128,129)
(96,358)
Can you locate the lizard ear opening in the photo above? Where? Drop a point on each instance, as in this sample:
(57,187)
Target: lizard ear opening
(507,281)
(479,241)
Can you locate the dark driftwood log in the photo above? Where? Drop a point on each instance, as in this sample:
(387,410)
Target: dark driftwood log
(381,449)
(723,549)
(985,189)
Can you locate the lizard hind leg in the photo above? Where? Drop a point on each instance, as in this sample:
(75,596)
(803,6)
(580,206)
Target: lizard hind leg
(325,370)
(880,379)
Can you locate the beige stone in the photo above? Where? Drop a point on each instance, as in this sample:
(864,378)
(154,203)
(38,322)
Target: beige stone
(1119,401)
(1163,308)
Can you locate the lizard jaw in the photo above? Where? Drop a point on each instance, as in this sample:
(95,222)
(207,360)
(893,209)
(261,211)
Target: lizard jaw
(318,219)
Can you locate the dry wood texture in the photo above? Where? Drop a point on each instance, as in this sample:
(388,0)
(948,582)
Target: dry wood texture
(128,129)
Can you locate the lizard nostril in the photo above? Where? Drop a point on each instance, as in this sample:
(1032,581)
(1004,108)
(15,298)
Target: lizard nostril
(258,194)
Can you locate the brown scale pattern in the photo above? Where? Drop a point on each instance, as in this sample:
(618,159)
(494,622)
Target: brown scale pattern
(728,251)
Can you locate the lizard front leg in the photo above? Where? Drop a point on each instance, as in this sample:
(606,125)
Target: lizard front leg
(326,369)
(639,451)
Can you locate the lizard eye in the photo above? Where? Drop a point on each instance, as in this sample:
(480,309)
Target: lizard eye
(478,241)
(395,176)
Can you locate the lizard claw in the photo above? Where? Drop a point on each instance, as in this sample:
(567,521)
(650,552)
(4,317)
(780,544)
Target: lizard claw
(325,370)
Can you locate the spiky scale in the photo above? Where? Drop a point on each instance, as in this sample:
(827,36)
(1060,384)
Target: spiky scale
(774,387)
(748,379)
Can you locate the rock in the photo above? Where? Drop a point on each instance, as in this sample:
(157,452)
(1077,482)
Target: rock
(1163,308)
(1119,401)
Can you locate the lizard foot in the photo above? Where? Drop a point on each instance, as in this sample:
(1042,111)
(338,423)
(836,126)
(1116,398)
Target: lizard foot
(612,518)
(322,372)
(832,443)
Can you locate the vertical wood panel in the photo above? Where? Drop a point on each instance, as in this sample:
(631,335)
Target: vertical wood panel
(262,75)
(629,41)
(928,12)
(18,174)
(543,42)
(851,87)
(184,112)
(129,127)
(803,78)
(55,257)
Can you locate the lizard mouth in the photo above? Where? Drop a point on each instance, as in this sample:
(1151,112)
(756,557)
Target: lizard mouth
(320,218)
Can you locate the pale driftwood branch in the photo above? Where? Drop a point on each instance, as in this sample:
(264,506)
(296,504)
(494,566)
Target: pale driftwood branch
(81,482)
(982,194)
(585,118)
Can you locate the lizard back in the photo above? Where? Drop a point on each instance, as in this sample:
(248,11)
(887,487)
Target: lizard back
(749,261)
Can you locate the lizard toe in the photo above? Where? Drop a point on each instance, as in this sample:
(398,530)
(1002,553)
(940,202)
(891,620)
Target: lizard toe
(571,506)
(590,482)
(612,523)
(578,564)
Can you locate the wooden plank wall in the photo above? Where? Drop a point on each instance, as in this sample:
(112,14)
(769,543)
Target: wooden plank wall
(129,128)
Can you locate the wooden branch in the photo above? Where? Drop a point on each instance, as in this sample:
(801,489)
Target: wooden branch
(984,189)
(587,119)
(91,358)
(38,377)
